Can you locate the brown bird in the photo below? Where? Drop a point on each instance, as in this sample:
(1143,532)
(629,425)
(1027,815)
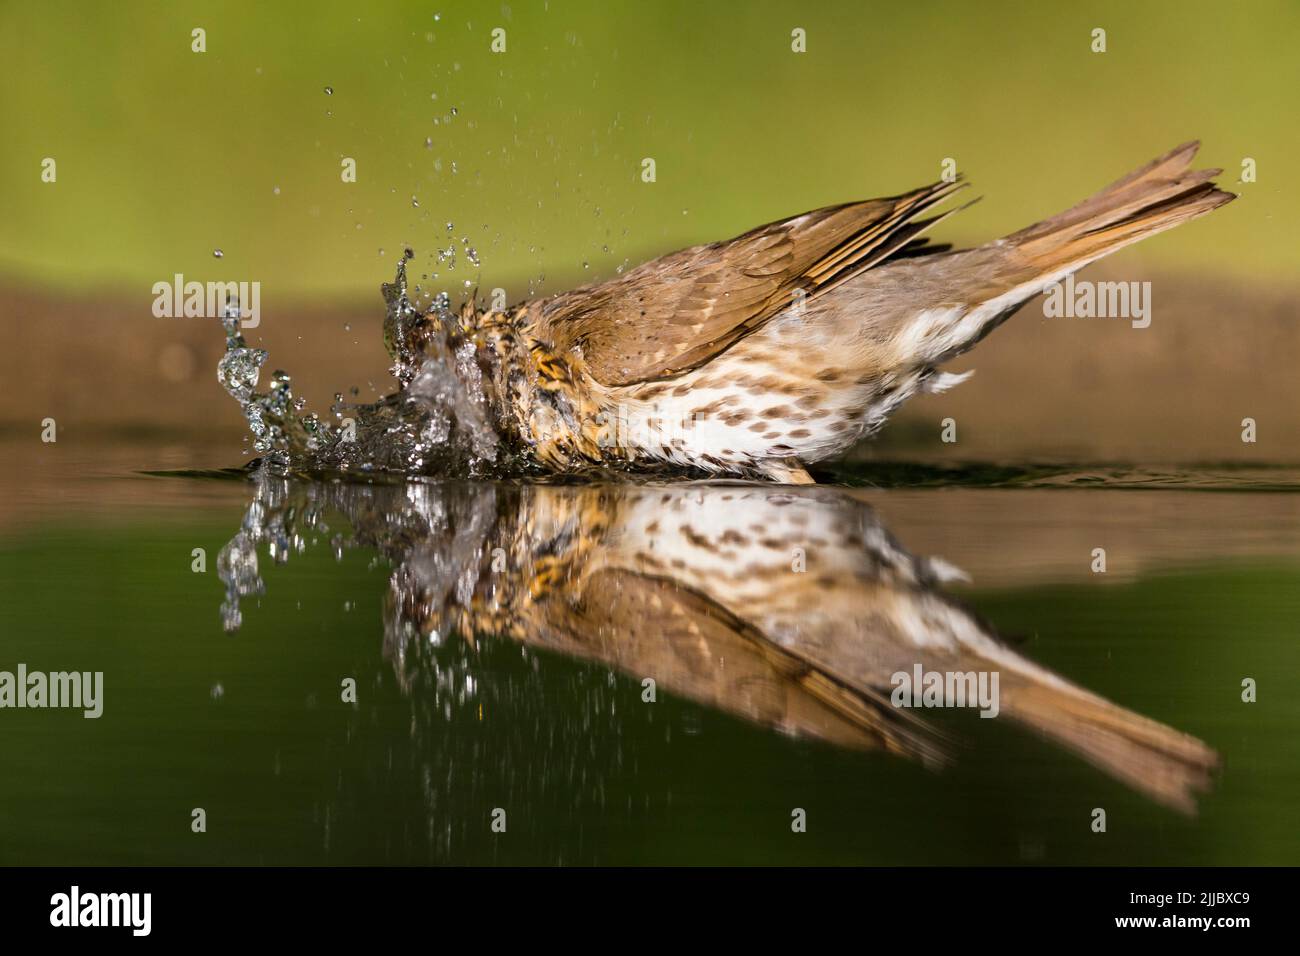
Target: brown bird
(781,347)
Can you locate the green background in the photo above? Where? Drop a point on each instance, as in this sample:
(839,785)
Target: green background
(165,154)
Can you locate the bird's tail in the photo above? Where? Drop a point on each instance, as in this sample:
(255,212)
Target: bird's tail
(1162,194)
(992,281)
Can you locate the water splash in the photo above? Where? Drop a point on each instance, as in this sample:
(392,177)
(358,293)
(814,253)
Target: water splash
(399,321)
(439,421)
(454,413)
(275,433)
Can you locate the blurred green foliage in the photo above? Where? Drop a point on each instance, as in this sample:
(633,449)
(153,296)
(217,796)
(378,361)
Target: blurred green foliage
(164,154)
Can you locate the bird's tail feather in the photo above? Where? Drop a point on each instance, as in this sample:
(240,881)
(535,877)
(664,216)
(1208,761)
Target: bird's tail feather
(1162,194)
(1002,276)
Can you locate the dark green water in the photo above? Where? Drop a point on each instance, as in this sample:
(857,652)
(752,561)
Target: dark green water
(1201,590)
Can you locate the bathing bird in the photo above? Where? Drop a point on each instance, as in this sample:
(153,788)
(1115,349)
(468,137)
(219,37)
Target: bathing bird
(783,347)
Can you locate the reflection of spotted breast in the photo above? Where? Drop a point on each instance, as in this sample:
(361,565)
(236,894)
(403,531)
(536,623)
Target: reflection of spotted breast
(754,548)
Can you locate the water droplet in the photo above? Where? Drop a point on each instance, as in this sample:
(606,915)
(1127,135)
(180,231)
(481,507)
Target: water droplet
(217,253)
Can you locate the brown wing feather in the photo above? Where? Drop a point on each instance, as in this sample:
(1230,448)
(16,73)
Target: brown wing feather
(677,312)
(689,634)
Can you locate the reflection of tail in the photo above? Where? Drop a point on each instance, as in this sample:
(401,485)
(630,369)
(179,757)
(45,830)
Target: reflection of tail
(1167,765)
(1163,763)
(913,627)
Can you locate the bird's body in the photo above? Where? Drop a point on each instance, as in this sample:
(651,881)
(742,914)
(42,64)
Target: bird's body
(785,346)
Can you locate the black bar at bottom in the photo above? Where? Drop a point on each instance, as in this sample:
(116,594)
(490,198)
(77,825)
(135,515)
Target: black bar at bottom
(923,905)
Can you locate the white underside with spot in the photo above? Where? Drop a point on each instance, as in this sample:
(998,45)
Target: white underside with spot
(662,429)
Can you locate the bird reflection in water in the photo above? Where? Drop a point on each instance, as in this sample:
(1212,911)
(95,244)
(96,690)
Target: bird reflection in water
(793,608)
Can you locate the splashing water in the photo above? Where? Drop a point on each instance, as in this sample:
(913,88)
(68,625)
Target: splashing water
(451,416)
(438,422)
(268,413)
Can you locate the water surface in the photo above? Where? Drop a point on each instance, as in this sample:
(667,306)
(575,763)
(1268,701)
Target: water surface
(522,688)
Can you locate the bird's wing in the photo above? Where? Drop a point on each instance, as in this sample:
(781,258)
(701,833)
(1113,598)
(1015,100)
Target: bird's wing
(675,313)
(698,650)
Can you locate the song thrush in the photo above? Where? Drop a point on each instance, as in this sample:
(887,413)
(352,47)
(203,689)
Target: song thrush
(786,345)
